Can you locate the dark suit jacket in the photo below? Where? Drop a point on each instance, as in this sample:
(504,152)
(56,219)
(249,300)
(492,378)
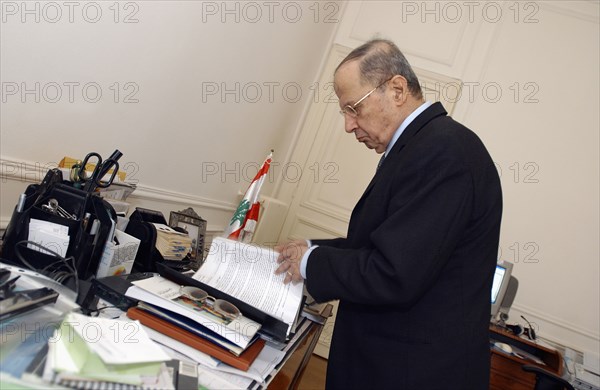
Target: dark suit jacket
(414,274)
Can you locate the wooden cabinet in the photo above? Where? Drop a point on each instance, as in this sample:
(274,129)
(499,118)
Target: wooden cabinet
(506,372)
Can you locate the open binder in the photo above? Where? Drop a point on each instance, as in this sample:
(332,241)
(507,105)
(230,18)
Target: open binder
(113,289)
(272,328)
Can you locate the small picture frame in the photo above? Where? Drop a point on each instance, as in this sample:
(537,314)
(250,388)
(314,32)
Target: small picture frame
(192,223)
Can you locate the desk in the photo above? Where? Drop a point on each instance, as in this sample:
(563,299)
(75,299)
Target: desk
(286,375)
(292,368)
(506,372)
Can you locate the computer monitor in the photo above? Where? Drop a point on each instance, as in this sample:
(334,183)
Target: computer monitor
(500,284)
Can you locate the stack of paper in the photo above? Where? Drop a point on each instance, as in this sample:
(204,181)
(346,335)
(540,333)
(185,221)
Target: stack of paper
(240,361)
(167,299)
(172,244)
(89,350)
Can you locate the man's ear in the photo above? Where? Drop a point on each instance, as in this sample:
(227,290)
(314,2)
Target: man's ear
(400,87)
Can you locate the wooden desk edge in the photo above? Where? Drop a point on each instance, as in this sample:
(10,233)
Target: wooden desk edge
(552,358)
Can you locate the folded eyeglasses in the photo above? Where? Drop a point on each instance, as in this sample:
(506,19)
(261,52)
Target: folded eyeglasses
(220,306)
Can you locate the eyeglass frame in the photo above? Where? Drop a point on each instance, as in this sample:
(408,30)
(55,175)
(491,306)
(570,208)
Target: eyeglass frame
(351,109)
(216,303)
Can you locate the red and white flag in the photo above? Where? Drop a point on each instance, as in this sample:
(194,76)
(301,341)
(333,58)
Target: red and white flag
(245,218)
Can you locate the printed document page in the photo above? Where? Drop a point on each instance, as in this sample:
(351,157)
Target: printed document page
(246,272)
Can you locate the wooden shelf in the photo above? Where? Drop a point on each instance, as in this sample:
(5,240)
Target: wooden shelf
(506,372)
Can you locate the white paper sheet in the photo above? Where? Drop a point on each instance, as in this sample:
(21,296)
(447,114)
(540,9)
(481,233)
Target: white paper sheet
(247,272)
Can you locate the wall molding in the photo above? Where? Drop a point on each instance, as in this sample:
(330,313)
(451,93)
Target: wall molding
(567,326)
(582,10)
(4,222)
(558,333)
(448,59)
(327,209)
(162,195)
(310,222)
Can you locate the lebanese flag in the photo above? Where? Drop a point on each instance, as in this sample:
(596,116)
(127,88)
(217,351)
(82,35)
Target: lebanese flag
(245,218)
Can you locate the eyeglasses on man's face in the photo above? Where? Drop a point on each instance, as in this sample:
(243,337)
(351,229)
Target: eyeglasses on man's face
(222,307)
(351,111)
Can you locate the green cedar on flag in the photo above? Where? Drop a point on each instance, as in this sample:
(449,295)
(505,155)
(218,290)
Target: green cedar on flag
(244,220)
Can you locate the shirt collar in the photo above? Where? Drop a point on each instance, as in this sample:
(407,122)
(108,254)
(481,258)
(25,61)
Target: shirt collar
(405,124)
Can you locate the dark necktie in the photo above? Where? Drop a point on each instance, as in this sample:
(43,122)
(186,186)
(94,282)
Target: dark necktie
(381,161)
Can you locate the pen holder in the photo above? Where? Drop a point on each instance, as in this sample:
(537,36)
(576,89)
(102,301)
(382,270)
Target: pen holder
(84,247)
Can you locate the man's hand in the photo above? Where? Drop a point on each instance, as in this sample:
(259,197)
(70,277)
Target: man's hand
(290,254)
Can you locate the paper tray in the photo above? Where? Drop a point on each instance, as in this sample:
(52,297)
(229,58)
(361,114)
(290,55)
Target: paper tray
(271,327)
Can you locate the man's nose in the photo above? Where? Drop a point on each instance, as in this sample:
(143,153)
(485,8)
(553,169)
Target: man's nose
(350,124)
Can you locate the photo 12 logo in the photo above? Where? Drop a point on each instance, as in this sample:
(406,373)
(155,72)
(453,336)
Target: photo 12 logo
(265,92)
(291,172)
(69,12)
(520,252)
(69,91)
(469,11)
(251,92)
(482,91)
(35,172)
(519,172)
(253,12)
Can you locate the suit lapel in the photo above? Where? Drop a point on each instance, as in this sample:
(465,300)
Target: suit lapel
(433,111)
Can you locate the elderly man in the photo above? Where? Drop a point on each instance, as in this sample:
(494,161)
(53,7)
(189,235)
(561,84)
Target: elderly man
(413,275)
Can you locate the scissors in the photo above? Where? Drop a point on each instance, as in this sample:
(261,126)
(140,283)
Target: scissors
(100,170)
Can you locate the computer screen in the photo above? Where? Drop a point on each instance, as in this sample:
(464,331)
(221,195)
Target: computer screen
(501,279)
(498,277)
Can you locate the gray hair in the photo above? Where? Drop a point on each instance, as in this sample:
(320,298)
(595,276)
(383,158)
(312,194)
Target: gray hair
(380,60)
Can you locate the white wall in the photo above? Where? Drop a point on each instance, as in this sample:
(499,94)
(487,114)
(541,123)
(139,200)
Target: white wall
(531,92)
(194,94)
